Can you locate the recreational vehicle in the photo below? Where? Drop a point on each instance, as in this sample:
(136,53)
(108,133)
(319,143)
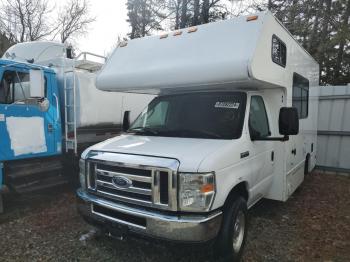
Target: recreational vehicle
(234,121)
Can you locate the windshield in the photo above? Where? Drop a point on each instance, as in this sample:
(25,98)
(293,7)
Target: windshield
(196,115)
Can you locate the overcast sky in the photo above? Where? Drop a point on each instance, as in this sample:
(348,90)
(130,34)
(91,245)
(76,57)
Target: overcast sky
(110,22)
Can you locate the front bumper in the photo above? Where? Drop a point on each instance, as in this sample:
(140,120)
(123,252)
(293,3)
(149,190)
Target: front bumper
(187,228)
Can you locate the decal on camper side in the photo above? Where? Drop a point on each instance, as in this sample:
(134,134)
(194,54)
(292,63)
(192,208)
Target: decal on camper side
(233,105)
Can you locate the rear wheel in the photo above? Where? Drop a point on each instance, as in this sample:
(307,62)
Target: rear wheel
(307,164)
(232,236)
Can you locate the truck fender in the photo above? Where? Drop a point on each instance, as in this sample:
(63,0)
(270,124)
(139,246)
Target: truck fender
(240,189)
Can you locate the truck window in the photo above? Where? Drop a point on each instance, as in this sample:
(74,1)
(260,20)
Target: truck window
(15,87)
(216,115)
(301,95)
(154,117)
(258,121)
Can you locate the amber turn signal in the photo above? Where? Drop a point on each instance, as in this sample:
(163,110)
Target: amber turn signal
(207,188)
(252,18)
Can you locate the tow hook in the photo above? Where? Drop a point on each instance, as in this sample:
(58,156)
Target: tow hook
(120,237)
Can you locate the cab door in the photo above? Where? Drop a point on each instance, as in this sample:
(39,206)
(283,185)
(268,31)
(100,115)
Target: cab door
(26,124)
(262,154)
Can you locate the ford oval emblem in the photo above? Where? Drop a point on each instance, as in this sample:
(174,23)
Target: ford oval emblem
(121,182)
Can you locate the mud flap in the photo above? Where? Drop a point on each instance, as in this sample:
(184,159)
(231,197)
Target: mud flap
(1,187)
(1,204)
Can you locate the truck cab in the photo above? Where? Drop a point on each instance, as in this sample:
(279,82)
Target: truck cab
(32,127)
(234,122)
(50,109)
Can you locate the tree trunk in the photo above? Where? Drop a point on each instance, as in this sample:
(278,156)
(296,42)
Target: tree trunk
(195,20)
(293,14)
(144,18)
(183,19)
(313,38)
(344,33)
(321,51)
(205,12)
(177,14)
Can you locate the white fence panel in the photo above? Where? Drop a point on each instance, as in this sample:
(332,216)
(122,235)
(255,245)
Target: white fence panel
(333,142)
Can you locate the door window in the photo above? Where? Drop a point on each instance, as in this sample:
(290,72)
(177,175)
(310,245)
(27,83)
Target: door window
(14,87)
(258,121)
(301,95)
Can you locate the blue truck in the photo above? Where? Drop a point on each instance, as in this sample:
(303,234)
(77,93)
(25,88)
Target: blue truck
(50,110)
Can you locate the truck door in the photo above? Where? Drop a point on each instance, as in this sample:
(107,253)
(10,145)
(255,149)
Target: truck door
(27,125)
(261,151)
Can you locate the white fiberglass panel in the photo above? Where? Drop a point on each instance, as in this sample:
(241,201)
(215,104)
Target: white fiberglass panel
(30,141)
(215,53)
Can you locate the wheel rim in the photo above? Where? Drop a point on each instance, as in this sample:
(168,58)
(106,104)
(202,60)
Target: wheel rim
(238,231)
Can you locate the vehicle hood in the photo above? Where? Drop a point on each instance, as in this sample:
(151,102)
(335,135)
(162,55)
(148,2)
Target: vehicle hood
(189,151)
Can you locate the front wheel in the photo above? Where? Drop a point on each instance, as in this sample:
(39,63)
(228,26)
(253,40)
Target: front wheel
(232,236)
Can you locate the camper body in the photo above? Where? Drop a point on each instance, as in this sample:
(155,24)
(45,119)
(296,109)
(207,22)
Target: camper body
(212,143)
(50,110)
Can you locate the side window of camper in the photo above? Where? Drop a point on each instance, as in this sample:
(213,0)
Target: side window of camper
(278,51)
(258,121)
(301,95)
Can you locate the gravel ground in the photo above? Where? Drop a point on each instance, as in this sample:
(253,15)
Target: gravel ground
(313,225)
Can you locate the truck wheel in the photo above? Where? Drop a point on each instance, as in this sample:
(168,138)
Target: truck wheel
(233,232)
(307,163)
(1,204)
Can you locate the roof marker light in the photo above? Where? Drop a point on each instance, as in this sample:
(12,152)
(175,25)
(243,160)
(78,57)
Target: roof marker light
(176,33)
(163,36)
(124,43)
(192,29)
(252,18)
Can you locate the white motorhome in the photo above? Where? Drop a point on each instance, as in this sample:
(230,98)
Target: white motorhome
(234,122)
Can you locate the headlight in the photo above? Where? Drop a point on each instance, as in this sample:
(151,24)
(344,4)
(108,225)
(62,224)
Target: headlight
(197,191)
(82,173)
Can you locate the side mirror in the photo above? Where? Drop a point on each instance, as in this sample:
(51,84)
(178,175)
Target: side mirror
(288,121)
(37,83)
(126,121)
(44,105)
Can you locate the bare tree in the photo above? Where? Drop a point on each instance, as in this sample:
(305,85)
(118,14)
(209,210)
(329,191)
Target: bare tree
(25,20)
(74,19)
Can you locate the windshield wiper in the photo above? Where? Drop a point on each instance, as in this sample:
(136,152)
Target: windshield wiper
(143,131)
(192,132)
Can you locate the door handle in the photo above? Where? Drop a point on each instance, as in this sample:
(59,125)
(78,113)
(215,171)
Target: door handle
(50,127)
(245,154)
(57,107)
(294,151)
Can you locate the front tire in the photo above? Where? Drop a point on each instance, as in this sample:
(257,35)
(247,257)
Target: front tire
(232,236)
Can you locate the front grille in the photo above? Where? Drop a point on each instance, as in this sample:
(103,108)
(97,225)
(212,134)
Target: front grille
(148,186)
(119,216)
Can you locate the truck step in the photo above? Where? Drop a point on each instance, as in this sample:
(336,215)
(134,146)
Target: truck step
(40,184)
(17,170)
(34,174)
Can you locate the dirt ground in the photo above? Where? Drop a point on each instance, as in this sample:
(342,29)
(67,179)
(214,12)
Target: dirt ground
(313,225)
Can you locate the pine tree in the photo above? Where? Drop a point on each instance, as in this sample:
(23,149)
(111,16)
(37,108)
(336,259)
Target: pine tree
(144,16)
